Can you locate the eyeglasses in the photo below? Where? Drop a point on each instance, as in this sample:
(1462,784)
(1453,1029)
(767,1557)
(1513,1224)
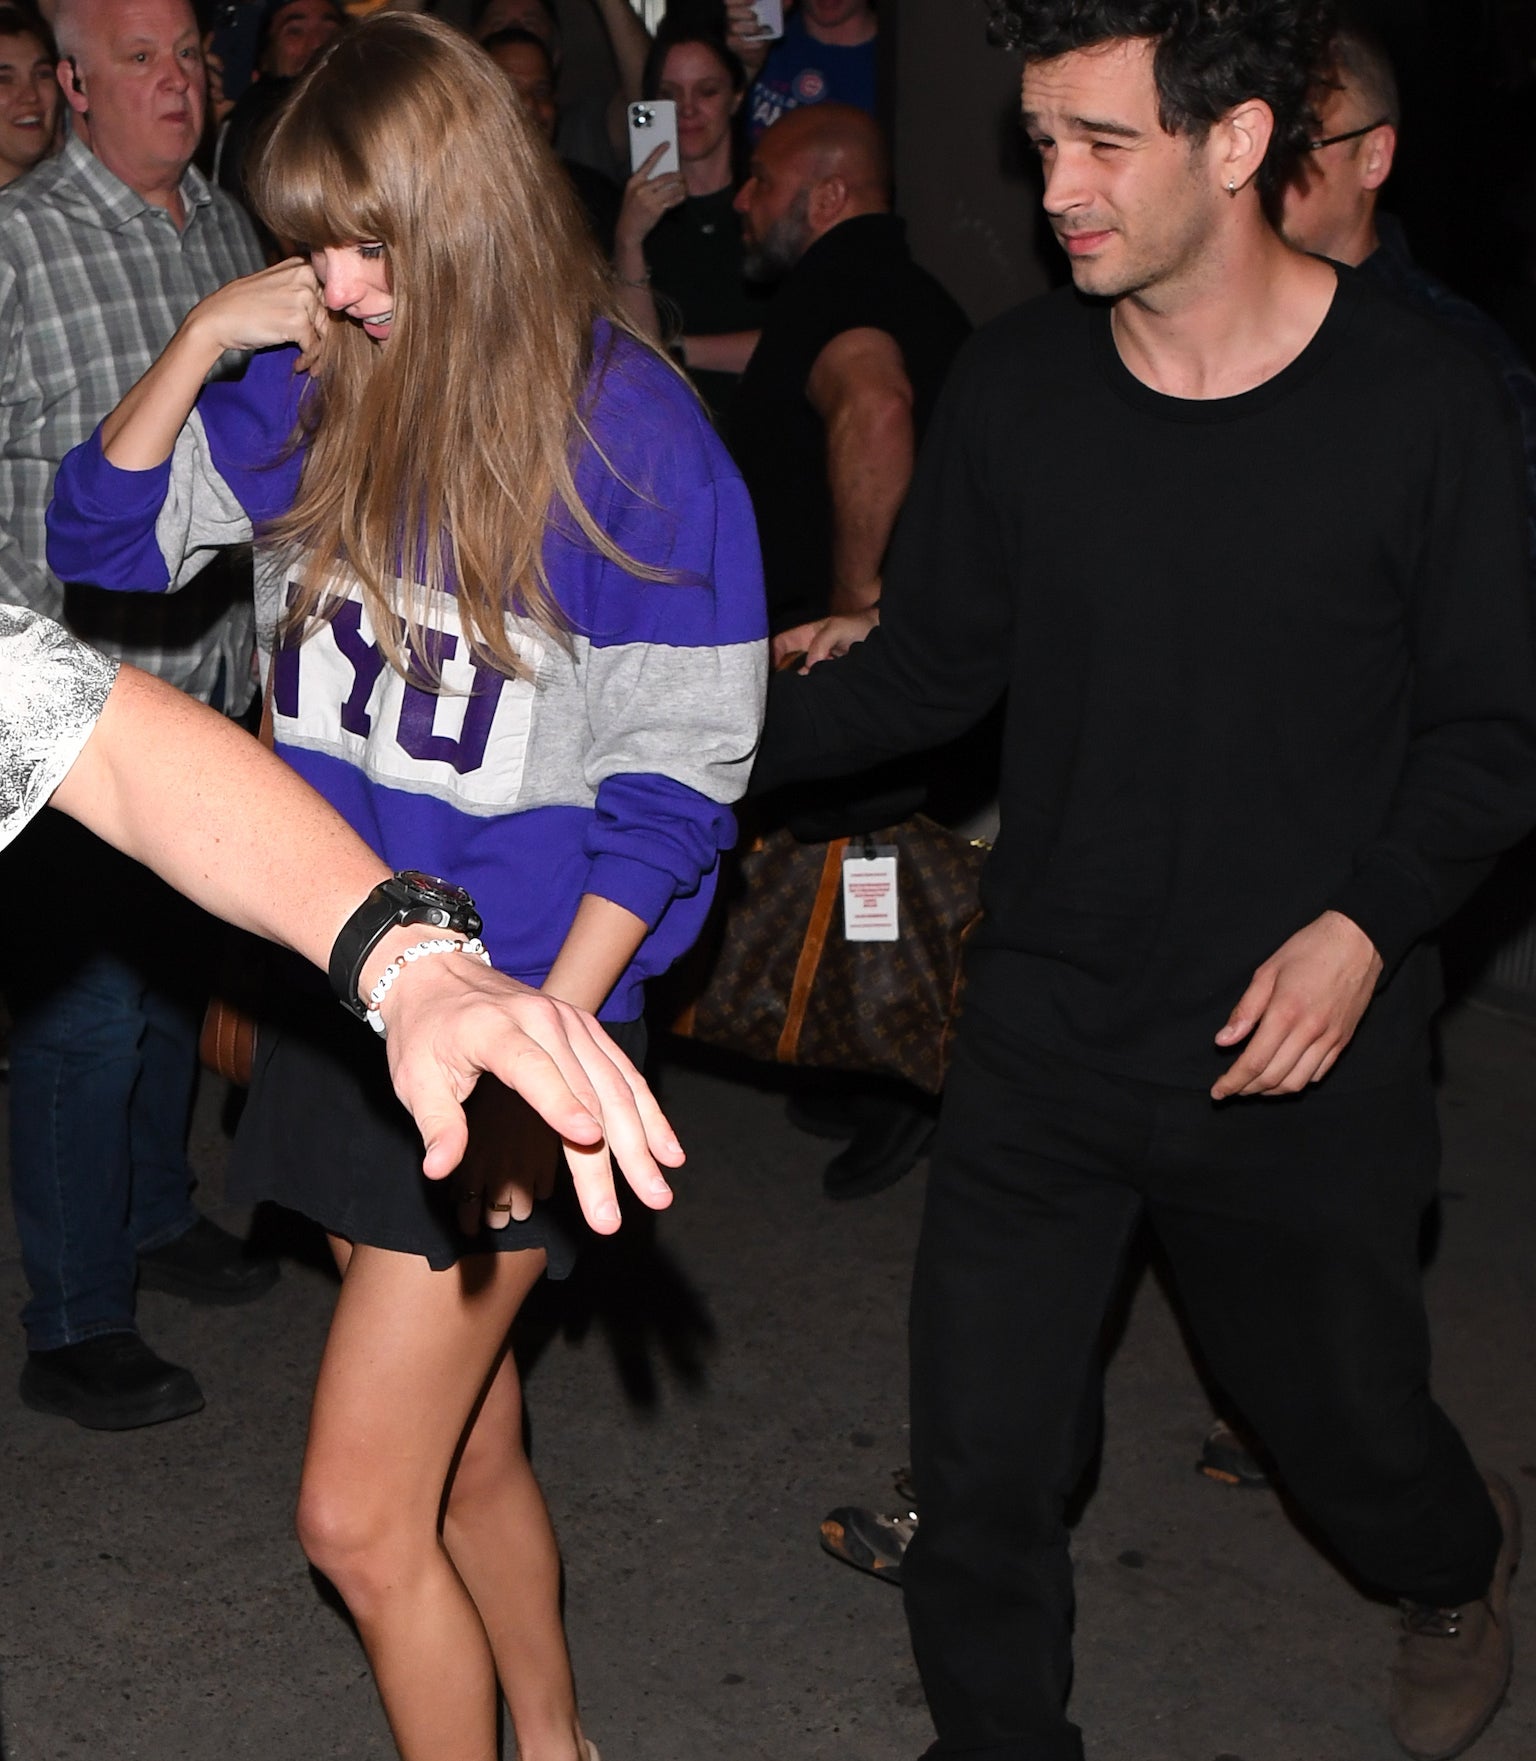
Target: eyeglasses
(1353,134)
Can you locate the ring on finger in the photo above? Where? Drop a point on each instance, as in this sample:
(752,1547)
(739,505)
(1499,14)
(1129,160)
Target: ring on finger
(499,1209)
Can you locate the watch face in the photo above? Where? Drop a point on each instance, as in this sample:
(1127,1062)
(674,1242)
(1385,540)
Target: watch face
(437,892)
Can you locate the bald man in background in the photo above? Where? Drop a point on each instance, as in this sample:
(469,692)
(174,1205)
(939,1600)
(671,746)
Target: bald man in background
(825,427)
(854,350)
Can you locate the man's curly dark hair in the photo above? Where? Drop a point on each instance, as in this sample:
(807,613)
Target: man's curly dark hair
(1211,55)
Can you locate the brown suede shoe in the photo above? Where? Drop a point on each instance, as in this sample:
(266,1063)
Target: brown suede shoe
(1453,1664)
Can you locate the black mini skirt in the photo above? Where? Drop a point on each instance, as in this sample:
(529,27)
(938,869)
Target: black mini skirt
(323,1134)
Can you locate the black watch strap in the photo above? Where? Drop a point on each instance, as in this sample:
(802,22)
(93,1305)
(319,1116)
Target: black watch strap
(407,897)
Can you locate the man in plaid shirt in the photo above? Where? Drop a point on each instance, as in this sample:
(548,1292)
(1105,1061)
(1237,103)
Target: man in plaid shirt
(103,251)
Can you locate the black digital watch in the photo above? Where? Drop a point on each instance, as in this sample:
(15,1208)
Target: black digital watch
(407,897)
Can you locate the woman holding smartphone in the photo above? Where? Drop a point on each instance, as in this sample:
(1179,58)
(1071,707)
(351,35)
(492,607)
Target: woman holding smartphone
(677,245)
(508,587)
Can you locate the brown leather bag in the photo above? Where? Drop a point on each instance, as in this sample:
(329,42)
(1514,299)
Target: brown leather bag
(227,1043)
(775,978)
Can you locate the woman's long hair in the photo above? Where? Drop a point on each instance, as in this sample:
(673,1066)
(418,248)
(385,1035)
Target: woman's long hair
(437,460)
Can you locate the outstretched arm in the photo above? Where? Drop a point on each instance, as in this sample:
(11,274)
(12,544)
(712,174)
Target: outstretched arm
(182,790)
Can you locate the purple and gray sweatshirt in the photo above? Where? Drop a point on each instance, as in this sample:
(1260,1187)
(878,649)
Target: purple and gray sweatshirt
(610,771)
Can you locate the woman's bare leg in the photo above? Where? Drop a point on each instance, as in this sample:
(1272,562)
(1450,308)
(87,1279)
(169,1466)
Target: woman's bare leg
(497,1532)
(408,1357)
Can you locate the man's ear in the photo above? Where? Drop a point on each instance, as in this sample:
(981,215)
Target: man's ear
(1377,152)
(1241,139)
(829,196)
(67,72)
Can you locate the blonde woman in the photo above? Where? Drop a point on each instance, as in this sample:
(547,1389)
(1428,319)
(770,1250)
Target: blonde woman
(511,600)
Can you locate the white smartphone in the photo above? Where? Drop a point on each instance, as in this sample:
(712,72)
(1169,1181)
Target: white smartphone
(770,17)
(653,123)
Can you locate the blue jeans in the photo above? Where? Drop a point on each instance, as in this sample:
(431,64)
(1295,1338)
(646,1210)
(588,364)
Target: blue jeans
(103,1068)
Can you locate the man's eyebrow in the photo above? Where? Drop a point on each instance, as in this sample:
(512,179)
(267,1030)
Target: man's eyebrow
(1091,125)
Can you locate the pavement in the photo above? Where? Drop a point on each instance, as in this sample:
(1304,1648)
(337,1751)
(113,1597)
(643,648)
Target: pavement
(701,1394)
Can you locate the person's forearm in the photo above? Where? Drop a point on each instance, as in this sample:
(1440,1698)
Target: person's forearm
(602,940)
(638,304)
(141,432)
(186,792)
(176,786)
(869,467)
(631,43)
(727,352)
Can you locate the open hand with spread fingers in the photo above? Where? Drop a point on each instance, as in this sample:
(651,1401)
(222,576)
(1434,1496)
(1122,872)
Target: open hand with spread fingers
(457,1021)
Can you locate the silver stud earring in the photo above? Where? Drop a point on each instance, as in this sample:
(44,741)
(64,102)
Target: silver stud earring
(1231,186)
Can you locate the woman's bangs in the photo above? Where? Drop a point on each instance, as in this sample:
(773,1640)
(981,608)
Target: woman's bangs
(312,190)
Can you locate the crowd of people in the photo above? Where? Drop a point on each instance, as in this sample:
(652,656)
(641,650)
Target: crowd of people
(355,380)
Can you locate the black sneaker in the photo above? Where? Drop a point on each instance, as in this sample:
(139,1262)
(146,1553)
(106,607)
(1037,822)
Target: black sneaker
(207,1264)
(1225,1458)
(892,1138)
(111,1383)
(824,1111)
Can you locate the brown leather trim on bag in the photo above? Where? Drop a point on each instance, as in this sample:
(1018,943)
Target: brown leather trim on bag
(227,1042)
(810,949)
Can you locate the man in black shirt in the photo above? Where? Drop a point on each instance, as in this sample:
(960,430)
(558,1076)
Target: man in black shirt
(1244,542)
(825,425)
(853,352)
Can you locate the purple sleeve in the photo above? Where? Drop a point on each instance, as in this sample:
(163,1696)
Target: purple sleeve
(675,670)
(147,531)
(101,522)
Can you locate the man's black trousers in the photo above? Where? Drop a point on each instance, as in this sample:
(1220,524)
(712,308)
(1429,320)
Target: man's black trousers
(1291,1225)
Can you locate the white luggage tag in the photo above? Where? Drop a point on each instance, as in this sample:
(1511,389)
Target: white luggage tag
(871,910)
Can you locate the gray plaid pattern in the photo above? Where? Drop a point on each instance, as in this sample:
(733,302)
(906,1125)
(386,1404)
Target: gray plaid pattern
(93,283)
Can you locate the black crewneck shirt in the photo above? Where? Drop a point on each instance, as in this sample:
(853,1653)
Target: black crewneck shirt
(1265,655)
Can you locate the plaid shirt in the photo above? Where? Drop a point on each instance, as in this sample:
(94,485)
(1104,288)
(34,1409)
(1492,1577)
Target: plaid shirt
(93,283)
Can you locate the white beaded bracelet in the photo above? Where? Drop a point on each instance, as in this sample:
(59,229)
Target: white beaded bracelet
(475,948)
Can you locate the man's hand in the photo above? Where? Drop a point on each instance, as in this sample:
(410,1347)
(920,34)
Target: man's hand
(1302,1008)
(825,639)
(453,1020)
(744,36)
